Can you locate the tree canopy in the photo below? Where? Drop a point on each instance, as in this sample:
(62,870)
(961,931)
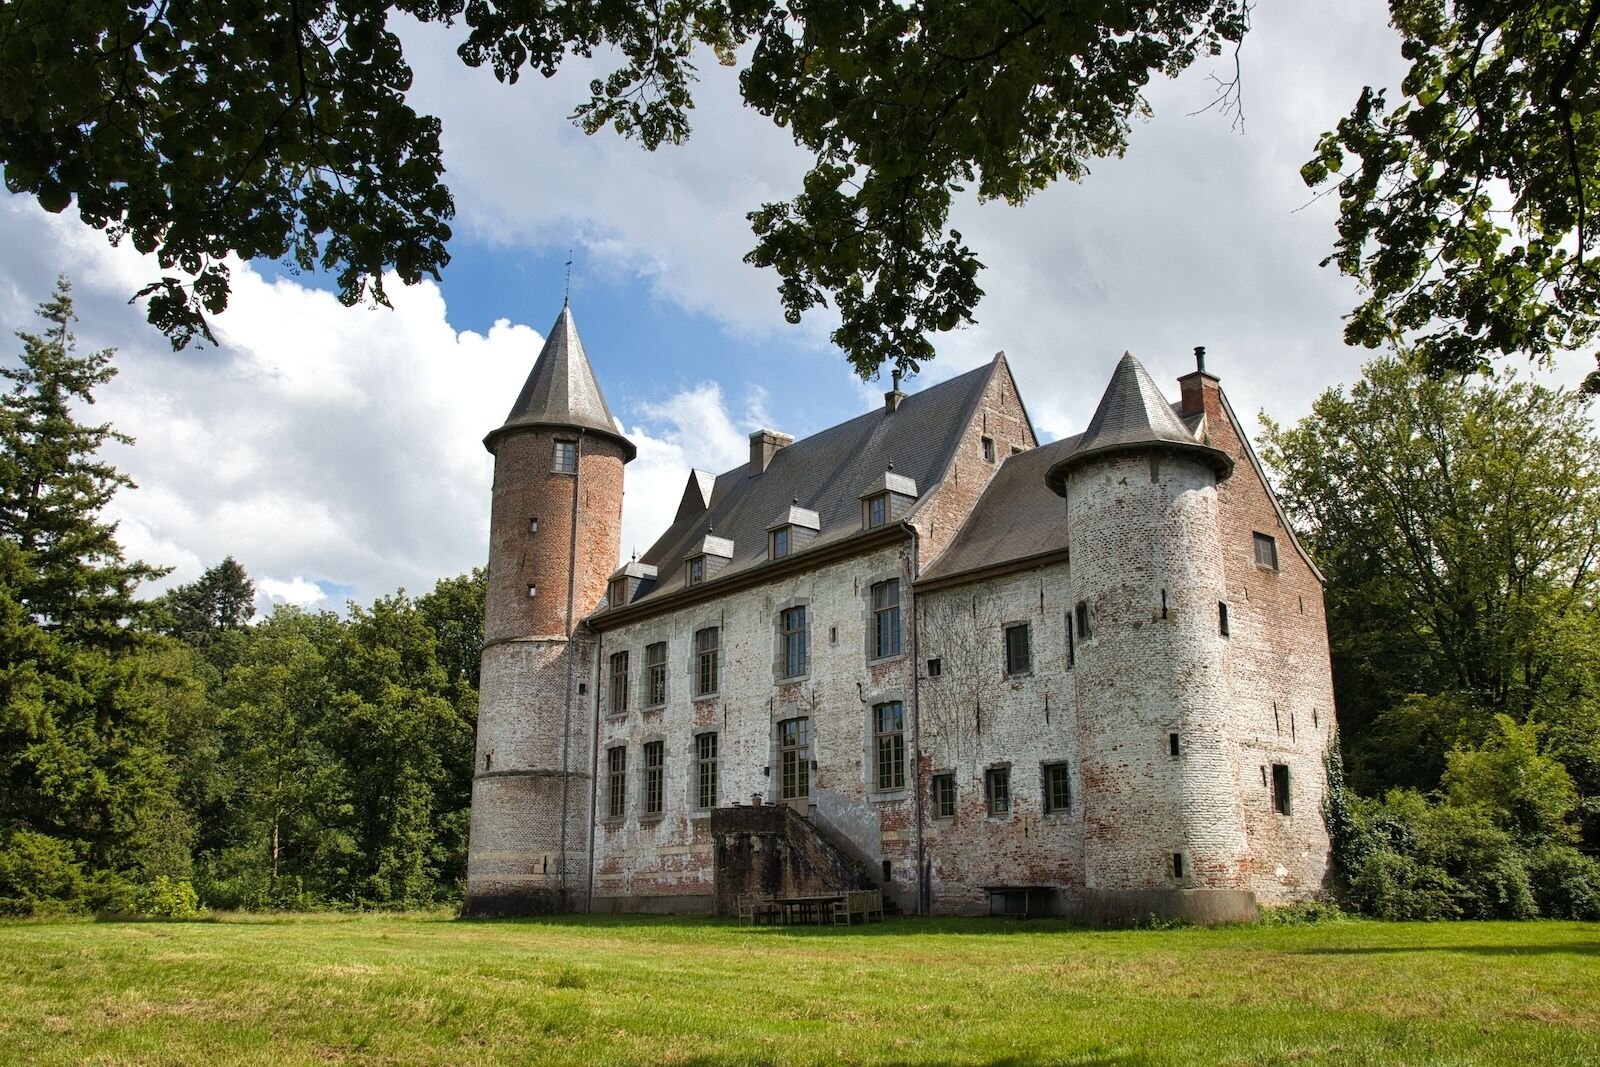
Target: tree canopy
(284,132)
(1471,213)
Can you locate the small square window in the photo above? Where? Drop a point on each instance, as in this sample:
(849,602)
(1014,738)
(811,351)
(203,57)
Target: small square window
(944,796)
(1266,551)
(1172,744)
(997,790)
(1018,653)
(533,590)
(619,593)
(533,526)
(935,667)
(988,450)
(566,459)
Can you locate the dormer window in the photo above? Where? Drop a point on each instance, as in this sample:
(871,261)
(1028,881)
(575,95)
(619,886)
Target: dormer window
(566,458)
(877,510)
(618,594)
(697,570)
(779,542)
(794,528)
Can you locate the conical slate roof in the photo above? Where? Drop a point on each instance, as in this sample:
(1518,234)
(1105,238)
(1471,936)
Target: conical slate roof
(1134,416)
(561,391)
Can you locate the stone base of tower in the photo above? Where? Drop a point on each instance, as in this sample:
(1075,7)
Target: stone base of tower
(1115,907)
(516,851)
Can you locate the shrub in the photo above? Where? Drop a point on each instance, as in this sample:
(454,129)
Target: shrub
(1566,883)
(38,874)
(166,898)
(1304,913)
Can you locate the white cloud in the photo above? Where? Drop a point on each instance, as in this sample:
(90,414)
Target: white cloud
(300,591)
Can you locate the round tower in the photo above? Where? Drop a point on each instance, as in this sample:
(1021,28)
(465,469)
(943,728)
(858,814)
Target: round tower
(558,463)
(1163,826)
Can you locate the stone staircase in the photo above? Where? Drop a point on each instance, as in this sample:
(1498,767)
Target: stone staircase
(771,850)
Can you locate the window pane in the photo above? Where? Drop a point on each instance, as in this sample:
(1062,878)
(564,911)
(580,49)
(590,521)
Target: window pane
(705,645)
(1266,551)
(655,658)
(617,781)
(795,752)
(1017,651)
(706,771)
(793,624)
(619,683)
(889,731)
(886,619)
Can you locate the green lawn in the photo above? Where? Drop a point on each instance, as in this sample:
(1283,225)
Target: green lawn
(428,989)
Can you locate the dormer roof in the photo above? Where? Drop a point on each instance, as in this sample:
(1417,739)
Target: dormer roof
(890,482)
(562,392)
(795,515)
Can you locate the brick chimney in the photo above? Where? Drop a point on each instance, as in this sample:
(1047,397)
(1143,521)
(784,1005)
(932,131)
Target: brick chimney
(1199,388)
(764,444)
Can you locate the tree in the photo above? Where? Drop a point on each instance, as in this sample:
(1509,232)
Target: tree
(53,487)
(87,789)
(1459,528)
(196,130)
(221,600)
(1472,217)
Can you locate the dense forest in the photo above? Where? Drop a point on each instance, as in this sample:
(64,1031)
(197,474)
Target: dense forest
(162,755)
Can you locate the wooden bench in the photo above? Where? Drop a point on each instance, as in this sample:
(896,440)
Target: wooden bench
(759,910)
(867,903)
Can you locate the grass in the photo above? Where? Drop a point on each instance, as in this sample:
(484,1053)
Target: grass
(428,989)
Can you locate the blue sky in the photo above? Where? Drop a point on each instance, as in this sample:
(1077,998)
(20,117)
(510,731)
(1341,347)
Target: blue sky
(336,451)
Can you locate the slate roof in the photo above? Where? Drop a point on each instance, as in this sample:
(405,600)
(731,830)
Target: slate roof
(1016,517)
(1133,415)
(826,473)
(562,390)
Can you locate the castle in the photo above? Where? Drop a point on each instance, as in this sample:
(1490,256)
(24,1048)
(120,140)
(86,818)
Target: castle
(916,651)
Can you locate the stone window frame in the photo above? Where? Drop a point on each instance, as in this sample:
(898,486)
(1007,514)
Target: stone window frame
(1259,541)
(564,456)
(1051,774)
(616,782)
(1006,630)
(697,673)
(872,613)
(653,780)
(896,738)
(698,771)
(648,676)
(801,754)
(987,446)
(997,791)
(617,696)
(935,781)
(781,636)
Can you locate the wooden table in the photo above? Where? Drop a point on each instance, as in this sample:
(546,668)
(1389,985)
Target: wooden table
(815,909)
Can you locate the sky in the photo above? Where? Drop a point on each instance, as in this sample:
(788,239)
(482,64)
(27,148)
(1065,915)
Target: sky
(336,452)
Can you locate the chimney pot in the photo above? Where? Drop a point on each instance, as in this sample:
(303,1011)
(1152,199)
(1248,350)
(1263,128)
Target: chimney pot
(764,444)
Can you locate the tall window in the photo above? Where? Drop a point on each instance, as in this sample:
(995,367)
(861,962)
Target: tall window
(1266,551)
(889,739)
(616,781)
(944,796)
(792,635)
(1280,788)
(697,570)
(705,661)
(1072,650)
(654,758)
(1081,613)
(794,757)
(780,542)
(619,683)
(1057,788)
(886,619)
(988,450)
(877,510)
(655,674)
(705,778)
(1222,617)
(997,790)
(566,460)
(1018,654)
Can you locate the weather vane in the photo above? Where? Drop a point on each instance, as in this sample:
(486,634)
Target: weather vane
(566,296)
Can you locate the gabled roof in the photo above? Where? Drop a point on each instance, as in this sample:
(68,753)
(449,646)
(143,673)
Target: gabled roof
(826,473)
(561,391)
(1134,416)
